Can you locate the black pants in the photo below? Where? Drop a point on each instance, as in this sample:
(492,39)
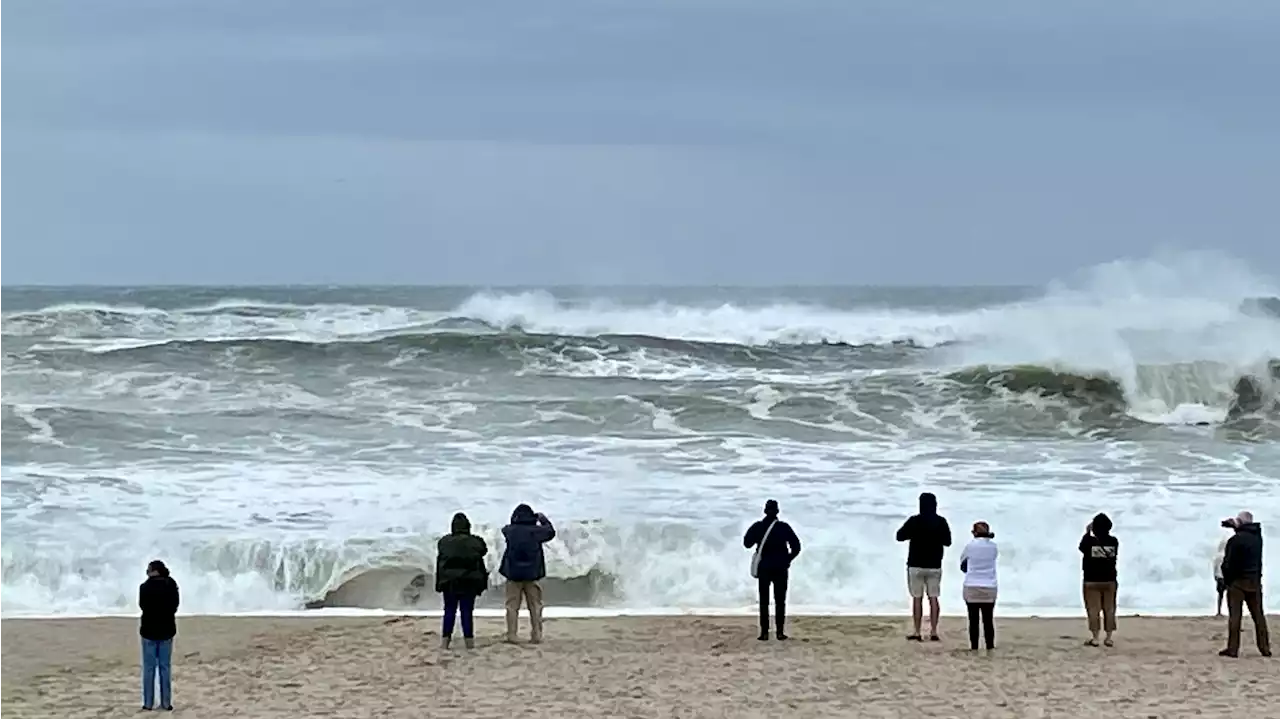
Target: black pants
(779,582)
(986,611)
(1240,594)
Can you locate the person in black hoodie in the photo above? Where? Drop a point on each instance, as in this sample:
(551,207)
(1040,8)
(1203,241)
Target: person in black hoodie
(929,536)
(777,546)
(1099,551)
(158,600)
(1242,573)
(461,576)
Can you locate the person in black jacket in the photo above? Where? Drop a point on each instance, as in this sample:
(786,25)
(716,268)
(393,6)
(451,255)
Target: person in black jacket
(929,536)
(158,600)
(461,576)
(1242,573)
(1099,550)
(777,546)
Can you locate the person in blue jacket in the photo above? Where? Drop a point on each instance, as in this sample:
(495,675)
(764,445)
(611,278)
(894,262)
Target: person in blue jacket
(523,566)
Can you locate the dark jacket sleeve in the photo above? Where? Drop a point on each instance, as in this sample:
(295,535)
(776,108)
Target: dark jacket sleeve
(793,543)
(1228,572)
(905,532)
(546,531)
(176,599)
(483,547)
(946,534)
(143,600)
(1085,544)
(753,535)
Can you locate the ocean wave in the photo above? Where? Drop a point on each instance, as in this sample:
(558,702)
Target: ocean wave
(393,571)
(1200,383)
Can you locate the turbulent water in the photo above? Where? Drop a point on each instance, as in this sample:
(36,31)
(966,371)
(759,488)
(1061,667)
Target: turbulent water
(290,447)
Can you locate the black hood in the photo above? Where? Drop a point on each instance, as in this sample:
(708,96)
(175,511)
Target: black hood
(461,525)
(1251,528)
(1102,525)
(928,504)
(524,515)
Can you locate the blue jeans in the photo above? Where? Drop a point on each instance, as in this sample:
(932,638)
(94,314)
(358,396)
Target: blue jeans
(155,663)
(453,603)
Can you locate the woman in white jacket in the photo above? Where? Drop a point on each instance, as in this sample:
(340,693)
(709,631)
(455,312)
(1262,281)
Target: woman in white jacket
(978,562)
(1217,565)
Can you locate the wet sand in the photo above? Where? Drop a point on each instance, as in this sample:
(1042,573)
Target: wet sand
(638,667)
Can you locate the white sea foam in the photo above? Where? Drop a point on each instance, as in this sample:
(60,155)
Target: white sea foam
(266,522)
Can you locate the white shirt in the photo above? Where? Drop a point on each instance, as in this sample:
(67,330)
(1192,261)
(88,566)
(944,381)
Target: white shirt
(1221,555)
(981,555)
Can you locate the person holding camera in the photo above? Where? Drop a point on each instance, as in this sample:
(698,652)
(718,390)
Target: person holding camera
(1100,550)
(1242,572)
(523,566)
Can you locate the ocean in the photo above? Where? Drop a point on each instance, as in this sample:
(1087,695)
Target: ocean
(290,447)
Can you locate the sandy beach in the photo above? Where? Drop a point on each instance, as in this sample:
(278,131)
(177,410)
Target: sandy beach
(637,667)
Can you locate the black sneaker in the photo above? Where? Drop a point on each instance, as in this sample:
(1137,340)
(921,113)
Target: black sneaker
(782,637)
(1228,653)
(764,636)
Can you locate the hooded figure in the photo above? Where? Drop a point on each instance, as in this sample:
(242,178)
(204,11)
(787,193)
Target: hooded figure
(929,535)
(460,576)
(460,567)
(1099,551)
(523,565)
(1242,573)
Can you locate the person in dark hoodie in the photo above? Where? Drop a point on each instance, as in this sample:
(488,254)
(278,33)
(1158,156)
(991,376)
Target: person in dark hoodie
(158,600)
(1099,550)
(461,576)
(777,546)
(929,536)
(523,566)
(1242,573)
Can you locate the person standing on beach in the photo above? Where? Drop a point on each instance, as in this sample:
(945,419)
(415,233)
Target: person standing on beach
(158,600)
(523,566)
(1242,571)
(777,546)
(978,562)
(1099,551)
(929,536)
(1217,564)
(461,576)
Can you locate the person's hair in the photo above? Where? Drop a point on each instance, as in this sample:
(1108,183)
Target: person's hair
(982,529)
(1244,517)
(158,567)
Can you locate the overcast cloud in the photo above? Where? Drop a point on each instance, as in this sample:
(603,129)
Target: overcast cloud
(673,142)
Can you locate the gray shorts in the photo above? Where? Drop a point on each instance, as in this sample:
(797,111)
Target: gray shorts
(921,582)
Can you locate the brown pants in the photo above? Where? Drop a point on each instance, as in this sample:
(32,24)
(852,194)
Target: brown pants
(531,592)
(1100,605)
(1241,593)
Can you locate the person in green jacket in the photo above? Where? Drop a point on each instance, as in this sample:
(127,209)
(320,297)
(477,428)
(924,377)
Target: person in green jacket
(461,576)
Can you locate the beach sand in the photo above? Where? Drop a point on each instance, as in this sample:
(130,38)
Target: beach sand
(638,667)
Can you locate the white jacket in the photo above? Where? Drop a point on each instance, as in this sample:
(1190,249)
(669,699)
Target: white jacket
(1217,558)
(981,555)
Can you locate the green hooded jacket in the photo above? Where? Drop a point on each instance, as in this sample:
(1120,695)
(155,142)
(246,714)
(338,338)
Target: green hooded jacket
(460,567)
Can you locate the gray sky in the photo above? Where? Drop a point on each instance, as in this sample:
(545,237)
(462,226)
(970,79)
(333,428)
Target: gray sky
(664,141)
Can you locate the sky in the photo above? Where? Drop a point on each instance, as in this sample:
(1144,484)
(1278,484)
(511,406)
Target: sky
(608,142)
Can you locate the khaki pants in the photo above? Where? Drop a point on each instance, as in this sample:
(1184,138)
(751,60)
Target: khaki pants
(1100,605)
(531,592)
(1242,593)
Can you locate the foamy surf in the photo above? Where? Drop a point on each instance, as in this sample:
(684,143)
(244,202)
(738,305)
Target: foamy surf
(304,447)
